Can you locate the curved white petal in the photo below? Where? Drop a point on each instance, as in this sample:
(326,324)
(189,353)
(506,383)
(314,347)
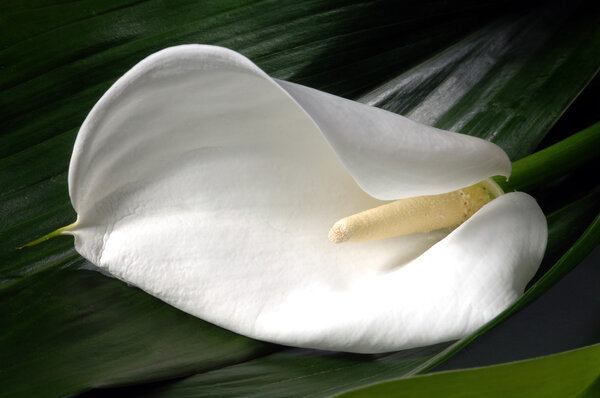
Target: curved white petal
(392,157)
(200,180)
(158,102)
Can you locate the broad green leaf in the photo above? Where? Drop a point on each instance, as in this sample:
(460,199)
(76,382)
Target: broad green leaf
(592,391)
(560,375)
(72,329)
(508,82)
(297,373)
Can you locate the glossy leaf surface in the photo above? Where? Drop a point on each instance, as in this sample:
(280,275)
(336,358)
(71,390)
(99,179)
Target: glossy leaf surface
(566,374)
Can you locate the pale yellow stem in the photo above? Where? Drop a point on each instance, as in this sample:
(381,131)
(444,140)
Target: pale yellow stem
(412,215)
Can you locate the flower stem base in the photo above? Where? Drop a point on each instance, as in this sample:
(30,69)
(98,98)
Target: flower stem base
(58,232)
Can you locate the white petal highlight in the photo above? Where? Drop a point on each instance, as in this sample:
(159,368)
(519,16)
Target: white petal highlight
(205,183)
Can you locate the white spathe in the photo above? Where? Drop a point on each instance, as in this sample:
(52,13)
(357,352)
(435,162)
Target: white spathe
(208,184)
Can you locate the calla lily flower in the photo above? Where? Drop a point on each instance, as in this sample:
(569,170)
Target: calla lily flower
(210,185)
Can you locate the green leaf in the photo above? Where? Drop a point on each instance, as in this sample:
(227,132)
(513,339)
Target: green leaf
(297,373)
(71,328)
(560,375)
(508,82)
(592,391)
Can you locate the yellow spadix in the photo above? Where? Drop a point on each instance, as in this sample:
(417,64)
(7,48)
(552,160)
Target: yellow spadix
(412,215)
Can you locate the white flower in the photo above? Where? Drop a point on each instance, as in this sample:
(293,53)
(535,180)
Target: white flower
(208,184)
